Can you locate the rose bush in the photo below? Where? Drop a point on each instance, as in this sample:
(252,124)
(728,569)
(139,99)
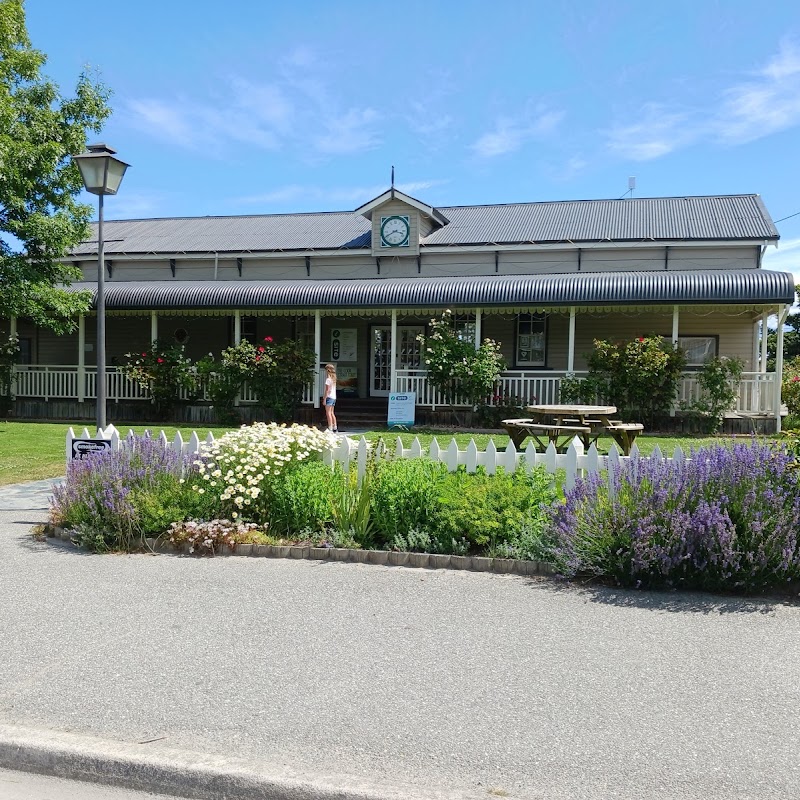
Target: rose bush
(162,371)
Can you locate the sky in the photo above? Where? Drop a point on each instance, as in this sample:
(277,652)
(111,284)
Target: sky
(259,106)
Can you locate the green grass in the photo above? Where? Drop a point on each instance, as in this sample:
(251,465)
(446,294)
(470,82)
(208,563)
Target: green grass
(31,451)
(35,450)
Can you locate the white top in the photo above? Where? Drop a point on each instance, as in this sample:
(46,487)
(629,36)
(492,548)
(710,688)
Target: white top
(331,382)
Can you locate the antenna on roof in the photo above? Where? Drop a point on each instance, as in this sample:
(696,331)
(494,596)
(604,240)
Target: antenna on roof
(392,176)
(631,187)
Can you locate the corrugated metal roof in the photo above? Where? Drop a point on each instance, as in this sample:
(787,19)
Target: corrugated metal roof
(584,289)
(728,217)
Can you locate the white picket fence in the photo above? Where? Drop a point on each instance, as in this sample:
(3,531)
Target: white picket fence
(575,462)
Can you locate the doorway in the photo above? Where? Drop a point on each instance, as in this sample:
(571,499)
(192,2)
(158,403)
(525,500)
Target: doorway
(408,352)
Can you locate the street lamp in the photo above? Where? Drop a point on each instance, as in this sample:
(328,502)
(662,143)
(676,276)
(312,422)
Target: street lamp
(102,175)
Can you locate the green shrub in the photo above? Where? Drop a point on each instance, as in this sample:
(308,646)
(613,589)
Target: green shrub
(790,387)
(493,512)
(719,389)
(405,493)
(302,498)
(640,377)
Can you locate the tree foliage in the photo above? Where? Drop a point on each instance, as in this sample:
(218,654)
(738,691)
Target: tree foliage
(41,219)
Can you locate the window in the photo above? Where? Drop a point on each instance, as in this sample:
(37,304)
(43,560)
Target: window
(464,327)
(531,340)
(698,349)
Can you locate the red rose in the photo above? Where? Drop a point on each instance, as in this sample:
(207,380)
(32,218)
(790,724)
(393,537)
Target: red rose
(160,360)
(641,338)
(258,358)
(144,355)
(260,349)
(267,338)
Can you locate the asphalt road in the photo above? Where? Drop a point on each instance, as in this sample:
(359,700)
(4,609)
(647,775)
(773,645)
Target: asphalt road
(457,681)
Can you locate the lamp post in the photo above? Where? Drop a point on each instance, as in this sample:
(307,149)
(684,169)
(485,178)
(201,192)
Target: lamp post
(102,174)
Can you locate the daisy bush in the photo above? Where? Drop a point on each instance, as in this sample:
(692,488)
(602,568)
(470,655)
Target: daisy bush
(239,468)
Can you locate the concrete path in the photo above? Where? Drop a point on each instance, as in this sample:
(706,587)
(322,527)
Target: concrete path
(30,495)
(26,786)
(385,682)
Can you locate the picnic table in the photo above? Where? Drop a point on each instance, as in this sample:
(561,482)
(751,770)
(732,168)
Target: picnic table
(560,424)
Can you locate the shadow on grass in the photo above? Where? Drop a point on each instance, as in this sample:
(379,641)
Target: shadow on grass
(679,600)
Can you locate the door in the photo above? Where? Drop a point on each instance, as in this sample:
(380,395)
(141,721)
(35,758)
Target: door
(408,352)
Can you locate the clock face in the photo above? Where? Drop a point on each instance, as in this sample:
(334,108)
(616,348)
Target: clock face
(394,231)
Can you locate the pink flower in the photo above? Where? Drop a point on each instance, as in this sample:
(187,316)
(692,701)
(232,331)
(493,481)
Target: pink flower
(160,360)
(796,378)
(144,355)
(268,339)
(261,349)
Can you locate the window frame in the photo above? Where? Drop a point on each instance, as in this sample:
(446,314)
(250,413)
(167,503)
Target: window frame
(682,337)
(546,327)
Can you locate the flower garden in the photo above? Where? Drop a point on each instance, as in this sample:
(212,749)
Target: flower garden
(723,519)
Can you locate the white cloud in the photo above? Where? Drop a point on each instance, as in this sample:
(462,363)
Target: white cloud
(767,102)
(509,134)
(133,206)
(351,132)
(784,258)
(296,110)
(657,132)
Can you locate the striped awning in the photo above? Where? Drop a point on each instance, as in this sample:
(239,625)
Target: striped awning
(739,287)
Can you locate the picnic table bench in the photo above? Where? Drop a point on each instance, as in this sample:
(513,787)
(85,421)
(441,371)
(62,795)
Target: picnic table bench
(560,424)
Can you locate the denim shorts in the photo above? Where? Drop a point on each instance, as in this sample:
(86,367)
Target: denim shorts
(329,402)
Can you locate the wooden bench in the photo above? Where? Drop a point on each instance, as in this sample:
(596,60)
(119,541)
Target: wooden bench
(559,435)
(624,433)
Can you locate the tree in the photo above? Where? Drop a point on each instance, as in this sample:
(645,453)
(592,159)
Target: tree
(40,217)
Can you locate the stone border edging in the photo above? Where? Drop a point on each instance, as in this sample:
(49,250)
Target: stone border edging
(391,558)
(175,772)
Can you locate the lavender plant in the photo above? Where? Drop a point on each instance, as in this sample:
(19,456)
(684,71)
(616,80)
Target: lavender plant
(726,519)
(113,499)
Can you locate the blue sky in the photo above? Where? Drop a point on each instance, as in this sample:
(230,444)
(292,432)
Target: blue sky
(259,107)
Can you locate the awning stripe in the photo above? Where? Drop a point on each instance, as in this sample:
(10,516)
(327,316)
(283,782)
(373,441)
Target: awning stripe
(586,289)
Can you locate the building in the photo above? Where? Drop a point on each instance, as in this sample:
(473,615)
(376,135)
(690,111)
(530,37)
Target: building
(544,279)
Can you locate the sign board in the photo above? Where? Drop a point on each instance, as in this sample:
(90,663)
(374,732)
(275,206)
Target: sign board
(402,409)
(344,344)
(347,381)
(82,447)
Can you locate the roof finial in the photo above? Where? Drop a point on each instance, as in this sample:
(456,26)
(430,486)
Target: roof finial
(392,176)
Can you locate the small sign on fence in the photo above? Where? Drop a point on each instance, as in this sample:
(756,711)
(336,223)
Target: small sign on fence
(402,409)
(82,447)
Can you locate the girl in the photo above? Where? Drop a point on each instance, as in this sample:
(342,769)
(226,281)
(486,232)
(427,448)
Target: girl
(330,396)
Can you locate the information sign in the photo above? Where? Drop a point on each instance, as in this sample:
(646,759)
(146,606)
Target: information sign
(344,344)
(402,409)
(82,447)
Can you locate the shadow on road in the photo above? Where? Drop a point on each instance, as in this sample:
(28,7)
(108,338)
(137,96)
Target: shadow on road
(679,601)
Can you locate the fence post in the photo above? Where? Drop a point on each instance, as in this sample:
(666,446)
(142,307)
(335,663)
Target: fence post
(434,450)
(491,458)
(70,437)
(194,443)
(571,463)
(362,460)
(452,456)
(472,456)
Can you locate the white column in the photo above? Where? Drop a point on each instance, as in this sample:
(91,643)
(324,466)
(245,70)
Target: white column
(571,344)
(675,323)
(81,358)
(12,330)
(675,329)
(317,354)
(153,326)
(783,312)
(754,359)
(393,373)
(763,365)
(237,339)
(478,321)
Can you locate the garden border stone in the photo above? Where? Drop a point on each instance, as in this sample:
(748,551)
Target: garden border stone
(501,566)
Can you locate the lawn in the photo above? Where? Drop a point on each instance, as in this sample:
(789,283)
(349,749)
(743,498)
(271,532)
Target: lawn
(34,450)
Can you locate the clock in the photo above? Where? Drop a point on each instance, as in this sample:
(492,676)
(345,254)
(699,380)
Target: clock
(395,231)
